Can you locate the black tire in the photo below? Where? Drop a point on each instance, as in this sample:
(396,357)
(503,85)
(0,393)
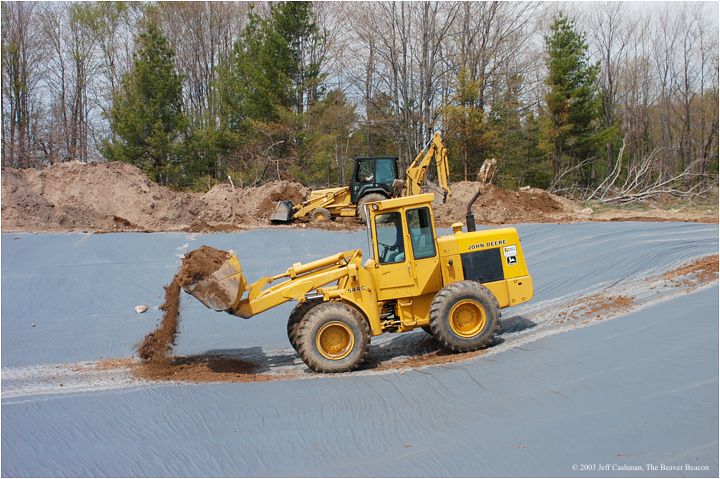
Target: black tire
(365,200)
(426,329)
(477,301)
(296,315)
(320,214)
(329,318)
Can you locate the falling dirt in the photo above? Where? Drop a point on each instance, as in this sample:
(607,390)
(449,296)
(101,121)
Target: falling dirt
(158,343)
(155,347)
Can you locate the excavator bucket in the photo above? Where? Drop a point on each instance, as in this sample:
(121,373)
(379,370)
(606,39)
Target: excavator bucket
(283,212)
(221,289)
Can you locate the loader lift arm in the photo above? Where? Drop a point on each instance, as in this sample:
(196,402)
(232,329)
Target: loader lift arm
(301,280)
(416,172)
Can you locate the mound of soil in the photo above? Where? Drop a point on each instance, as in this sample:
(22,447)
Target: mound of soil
(499,206)
(117,196)
(196,266)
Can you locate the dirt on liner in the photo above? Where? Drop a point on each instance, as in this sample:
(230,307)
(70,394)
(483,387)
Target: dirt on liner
(155,347)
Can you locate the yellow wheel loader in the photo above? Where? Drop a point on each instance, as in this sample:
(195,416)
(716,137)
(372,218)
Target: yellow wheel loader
(373,179)
(453,286)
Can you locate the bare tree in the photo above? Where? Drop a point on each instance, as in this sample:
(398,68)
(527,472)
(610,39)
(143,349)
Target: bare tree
(22,55)
(610,33)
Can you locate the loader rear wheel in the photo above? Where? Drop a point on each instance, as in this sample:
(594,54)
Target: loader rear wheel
(365,200)
(333,337)
(296,316)
(464,316)
(320,214)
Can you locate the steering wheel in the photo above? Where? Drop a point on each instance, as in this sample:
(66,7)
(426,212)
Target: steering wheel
(386,249)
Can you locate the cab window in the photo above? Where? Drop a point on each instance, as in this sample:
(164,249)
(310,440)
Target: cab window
(389,235)
(385,173)
(366,171)
(421,233)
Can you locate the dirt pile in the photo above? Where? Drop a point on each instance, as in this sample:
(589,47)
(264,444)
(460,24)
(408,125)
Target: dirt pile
(117,196)
(499,206)
(196,266)
(248,206)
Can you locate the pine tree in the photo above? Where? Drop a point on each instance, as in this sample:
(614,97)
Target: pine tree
(146,114)
(469,137)
(273,66)
(270,83)
(570,124)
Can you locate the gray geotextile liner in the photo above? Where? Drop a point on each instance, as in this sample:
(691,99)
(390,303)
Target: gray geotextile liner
(80,290)
(640,389)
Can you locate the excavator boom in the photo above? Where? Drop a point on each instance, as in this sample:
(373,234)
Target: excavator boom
(417,171)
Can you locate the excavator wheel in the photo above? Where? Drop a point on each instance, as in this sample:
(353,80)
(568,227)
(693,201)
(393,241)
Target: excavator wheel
(464,316)
(427,329)
(296,316)
(365,200)
(333,337)
(320,214)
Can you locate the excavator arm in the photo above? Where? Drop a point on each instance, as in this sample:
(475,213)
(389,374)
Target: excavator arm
(417,171)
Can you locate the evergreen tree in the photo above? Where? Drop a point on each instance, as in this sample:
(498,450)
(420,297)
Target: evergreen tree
(569,127)
(146,114)
(270,83)
(273,66)
(469,137)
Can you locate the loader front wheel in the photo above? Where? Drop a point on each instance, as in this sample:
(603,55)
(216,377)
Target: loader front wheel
(333,337)
(464,316)
(296,316)
(319,215)
(361,217)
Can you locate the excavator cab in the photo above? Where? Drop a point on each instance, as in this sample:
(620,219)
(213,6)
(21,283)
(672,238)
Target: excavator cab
(373,175)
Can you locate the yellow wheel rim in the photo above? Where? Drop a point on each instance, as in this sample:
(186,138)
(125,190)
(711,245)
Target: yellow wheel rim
(335,340)
(467,318)
(320,217)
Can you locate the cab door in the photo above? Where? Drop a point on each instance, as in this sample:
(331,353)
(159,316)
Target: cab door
(395,275)
(425,264)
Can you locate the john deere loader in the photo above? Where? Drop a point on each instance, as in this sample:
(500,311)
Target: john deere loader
(453,286)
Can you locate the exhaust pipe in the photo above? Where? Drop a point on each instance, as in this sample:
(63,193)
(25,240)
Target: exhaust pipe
(469,216)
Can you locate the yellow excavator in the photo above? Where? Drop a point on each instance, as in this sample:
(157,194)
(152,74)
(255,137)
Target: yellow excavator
(374,179)
(452,286)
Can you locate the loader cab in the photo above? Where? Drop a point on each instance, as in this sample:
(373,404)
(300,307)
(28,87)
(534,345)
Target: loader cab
(373,175)
(405,259)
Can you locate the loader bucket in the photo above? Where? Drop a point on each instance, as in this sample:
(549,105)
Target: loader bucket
(221,289)
(283,212)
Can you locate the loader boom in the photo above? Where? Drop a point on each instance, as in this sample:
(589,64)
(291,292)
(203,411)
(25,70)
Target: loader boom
(302,279)
(417,171)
